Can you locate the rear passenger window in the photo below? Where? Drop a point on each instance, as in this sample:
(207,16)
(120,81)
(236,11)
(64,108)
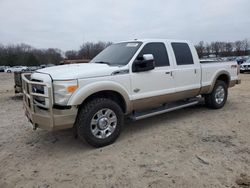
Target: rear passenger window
(182,53)
(158,50)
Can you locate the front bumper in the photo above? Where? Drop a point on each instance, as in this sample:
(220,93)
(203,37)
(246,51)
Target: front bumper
(245,68)
(45,118)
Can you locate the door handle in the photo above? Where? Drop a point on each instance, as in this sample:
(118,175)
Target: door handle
(169,72)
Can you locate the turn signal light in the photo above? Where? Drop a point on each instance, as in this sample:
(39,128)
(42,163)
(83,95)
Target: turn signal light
(71,89)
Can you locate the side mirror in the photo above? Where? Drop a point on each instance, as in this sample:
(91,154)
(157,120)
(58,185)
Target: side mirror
(144,63)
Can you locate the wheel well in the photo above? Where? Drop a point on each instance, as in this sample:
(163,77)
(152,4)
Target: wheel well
(224,78)
(113,95)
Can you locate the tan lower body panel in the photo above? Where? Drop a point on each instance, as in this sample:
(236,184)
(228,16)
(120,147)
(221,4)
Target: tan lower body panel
(208,89)
(234,82)
(61,119)
(205,89)
(156,101)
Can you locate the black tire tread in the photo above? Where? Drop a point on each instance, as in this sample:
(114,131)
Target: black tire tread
(209,98)
(83,116)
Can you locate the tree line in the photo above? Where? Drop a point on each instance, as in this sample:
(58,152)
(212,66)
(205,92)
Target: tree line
(87,50)
(218,48)
(26,55)
(23,54)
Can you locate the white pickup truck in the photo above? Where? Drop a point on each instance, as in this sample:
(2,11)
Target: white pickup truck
(137,79)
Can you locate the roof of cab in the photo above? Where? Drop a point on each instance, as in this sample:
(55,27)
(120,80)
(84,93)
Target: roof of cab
(156,40)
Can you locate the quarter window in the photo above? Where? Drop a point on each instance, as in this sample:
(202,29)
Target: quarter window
(158,50)
(182,53)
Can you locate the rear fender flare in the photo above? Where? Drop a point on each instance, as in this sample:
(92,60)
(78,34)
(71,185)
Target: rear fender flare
(217,75)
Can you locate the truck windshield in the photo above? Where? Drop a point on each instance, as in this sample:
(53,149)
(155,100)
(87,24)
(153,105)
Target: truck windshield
(117,54)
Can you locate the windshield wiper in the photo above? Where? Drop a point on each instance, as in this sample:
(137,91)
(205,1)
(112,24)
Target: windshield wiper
(103,62)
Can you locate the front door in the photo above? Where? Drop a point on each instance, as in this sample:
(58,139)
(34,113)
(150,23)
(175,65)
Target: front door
(149,88)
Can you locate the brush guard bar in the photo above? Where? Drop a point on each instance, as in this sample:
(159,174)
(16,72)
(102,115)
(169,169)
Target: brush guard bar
(47,118)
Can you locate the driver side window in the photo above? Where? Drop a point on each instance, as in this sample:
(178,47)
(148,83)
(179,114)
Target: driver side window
(158,50)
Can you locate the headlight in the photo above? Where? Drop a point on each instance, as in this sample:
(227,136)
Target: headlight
(63,91)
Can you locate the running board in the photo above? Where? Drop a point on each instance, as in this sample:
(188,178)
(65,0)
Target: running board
(166,108)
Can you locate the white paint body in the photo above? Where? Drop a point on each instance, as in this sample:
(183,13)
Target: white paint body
(97,77)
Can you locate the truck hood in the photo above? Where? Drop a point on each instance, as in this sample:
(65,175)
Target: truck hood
(76,71)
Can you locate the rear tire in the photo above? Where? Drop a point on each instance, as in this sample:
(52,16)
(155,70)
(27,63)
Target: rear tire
(99,122)
(218,97)
(8,71)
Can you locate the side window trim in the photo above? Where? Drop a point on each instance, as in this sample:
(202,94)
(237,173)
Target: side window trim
(179,57)
(167,63)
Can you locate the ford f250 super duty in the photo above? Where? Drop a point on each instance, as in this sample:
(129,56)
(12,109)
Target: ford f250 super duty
(137,79)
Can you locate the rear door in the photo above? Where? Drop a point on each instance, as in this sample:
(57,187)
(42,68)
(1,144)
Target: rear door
(150,87)
(187,71)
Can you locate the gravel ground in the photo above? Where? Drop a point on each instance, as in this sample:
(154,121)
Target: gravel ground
(192,147)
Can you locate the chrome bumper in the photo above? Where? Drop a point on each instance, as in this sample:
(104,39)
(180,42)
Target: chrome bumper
(45,118)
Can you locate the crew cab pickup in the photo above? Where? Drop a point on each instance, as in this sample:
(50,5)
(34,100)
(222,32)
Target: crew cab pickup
(136,79)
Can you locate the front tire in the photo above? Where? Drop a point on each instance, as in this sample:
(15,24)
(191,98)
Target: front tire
(218,97)
(99,122)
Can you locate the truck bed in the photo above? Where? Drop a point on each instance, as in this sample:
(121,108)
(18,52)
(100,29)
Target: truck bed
(211,69)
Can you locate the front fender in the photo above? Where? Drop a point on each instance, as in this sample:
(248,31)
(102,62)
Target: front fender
(84,92)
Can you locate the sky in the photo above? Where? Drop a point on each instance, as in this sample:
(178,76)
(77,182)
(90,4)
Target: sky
(66,24)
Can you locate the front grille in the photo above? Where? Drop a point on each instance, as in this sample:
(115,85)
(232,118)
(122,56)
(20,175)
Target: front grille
(245,66)
(38,89)
(36,94)
(39,101)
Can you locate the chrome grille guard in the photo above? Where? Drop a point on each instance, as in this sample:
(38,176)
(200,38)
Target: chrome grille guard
(28,97)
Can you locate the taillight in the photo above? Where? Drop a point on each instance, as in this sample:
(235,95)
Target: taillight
(236,66)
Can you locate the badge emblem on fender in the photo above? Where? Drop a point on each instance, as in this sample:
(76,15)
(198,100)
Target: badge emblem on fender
(136,90)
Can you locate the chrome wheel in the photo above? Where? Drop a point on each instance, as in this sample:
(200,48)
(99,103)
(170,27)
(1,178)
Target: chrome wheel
(219,95)
(103,123)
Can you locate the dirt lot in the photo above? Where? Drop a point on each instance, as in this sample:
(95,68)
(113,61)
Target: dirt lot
(193,147)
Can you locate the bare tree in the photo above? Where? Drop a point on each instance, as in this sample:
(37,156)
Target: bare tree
(215,48)
(245,46)
(71,54)
(89,50)
(238,47)
(200,49)
(208,48)
(229,48)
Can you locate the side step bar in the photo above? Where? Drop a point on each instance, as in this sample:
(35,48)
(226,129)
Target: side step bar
(166,108)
